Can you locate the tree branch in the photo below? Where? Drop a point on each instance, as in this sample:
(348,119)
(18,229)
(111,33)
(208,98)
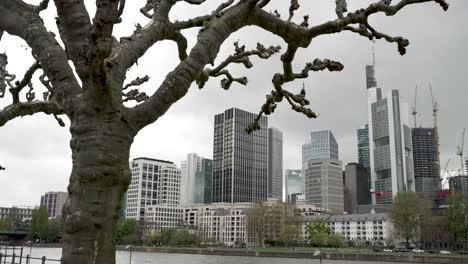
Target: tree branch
(23,109)
(20,19)
(138,81)
(74,26)
(177,82)
(26,81)
(241,56)
(201,21)
(100,40)
(42,6)
(298,102)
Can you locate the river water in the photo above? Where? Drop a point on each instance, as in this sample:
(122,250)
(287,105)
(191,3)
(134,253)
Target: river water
(123,257)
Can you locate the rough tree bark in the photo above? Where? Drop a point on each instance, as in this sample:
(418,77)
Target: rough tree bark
(103,128)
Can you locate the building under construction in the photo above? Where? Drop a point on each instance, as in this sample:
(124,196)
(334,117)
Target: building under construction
(459,184)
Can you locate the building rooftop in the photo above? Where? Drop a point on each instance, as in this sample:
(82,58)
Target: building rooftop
(348,218)
(156,160)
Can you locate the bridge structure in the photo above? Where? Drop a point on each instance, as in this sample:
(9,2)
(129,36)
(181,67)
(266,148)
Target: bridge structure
(15,235)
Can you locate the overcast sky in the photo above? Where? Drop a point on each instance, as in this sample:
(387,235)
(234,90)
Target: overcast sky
(36,151)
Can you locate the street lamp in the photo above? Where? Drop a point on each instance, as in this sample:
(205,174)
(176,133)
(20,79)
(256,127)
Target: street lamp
(129,247)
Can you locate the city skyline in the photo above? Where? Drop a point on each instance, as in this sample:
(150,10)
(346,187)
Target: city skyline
(48,157)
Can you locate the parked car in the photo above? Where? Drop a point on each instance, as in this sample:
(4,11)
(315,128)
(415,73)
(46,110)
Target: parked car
(417,250)
(445,252)
(387,250)
(402,250)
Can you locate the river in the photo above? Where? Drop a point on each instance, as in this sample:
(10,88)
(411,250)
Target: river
(123,257)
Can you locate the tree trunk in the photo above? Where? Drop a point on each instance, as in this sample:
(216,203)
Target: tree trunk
(100,149)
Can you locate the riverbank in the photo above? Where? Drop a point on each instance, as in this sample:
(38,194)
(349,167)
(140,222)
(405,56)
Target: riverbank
(378,257)
(342,254)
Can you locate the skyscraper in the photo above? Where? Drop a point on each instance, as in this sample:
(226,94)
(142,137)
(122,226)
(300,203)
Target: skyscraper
(154,182)
(54,201)
(189,168)
(275,163)
(363,146)
(390,147)
(204,183)
(323,173)
(426,165)
(324,184)
(363,170)
(356,187)
(294,183)
(240,160)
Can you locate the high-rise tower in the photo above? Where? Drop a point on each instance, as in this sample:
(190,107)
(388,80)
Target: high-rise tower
(390,147)
(240,160)
(275,164)
(426,165)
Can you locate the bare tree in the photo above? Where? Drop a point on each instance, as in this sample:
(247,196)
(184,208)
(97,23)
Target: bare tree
(103,128)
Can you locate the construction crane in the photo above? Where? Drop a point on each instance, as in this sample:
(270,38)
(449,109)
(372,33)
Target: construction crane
(460,150)
(414,112)
(435,108)
(443,174)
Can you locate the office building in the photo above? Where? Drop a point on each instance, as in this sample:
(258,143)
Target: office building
(204,183)
(426,165)
(390,147)
(275,164)
(324,184)
(189,168)
(154,182)
(294,183)
(54,201)
(356,187)
(240,159)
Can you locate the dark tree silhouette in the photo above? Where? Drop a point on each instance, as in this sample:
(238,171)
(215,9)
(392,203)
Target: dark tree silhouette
(103,128)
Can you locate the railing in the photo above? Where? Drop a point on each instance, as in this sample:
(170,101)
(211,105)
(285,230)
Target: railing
(14,255)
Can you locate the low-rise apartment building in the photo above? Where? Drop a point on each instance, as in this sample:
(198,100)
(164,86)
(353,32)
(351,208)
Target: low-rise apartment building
(373,227)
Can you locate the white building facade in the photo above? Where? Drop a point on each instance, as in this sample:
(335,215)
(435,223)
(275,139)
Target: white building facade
(275,164)
(373,227)
(154,182)
(19,212)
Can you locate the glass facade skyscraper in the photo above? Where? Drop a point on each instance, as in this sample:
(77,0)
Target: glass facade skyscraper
(322,145)
(426,165)
(390,147)
(363,146)
(240,160)
(204,182)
